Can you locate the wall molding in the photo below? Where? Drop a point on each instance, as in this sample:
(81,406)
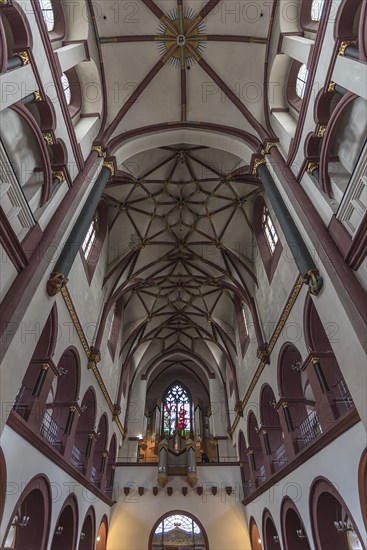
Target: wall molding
(273,340)
(91,364)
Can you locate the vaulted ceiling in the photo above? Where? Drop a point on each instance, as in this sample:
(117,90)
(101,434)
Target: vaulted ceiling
(180,210)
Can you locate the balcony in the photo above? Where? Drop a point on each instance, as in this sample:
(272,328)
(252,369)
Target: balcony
(50,429)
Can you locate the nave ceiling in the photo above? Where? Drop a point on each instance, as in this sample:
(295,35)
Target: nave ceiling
(180,214)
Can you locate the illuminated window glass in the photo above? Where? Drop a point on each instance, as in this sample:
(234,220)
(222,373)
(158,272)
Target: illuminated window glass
(112,325)
(177,410)
(48,14)
(244,319)
(270,233)
(90,238)
(66,87)
(316,9)
(178,531)
(301,81)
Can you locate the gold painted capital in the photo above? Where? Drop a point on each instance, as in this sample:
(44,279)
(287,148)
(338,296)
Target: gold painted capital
(59,175)
(267,147)
(24,57)
(315,360)
(331,87)
(344,45)
(264,432)
(45,366)
(285,405)
(37,95)
(99,150)
(72,409)
(312,166)
(110,165)
(321,131)
(47,136)
(258,162)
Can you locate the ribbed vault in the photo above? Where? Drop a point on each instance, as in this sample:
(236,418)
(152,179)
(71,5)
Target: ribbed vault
(180,251)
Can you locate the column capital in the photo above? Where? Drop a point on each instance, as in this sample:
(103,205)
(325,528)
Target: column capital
(99,150)
(344,45)
(267,146)
(314,281)
(110,165)
(258,161)
(55,283)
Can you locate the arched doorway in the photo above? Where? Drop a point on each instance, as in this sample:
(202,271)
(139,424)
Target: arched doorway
(270,420)
(101,540)
(271,537)
(83,435)
(30,520)
(100,453)
(332,524)
(66,526)
(178,529)
(255,537)
(362,484)
(293,530)
(256,453)
(87,534)
(62,394)
(2,483)
(247,483)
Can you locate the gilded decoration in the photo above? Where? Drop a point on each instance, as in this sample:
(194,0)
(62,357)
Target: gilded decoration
(280,325)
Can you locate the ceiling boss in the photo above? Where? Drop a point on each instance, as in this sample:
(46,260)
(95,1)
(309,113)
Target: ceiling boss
(181,37)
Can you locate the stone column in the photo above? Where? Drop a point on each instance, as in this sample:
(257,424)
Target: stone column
(75,240)
(302,256)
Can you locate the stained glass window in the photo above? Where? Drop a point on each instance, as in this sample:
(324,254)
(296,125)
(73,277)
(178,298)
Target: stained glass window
(177,410)
(90,238)
(48,14)
(301,81)
(178,531)
(316,9)
(270,233)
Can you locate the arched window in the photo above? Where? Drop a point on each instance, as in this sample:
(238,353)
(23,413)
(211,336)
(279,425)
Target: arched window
(90,237)
(316,10)
(66,87)
(178,530)
(267,237)
(301,81)
(177,410)
(270,233)
(48,14)
(114,331)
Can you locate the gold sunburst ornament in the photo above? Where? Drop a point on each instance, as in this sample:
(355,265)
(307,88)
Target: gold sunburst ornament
(185,29)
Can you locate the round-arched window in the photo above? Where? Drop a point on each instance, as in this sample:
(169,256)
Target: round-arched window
(178,531)
(66,87)
(177,410)
(301,81)
(316,10)
(48,14)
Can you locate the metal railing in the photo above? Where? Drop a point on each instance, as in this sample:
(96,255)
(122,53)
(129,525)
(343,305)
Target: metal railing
(342,395)
(94,477)
(310,428)
(261,475)
(76,458)
(50,429)
(280,457)
(248,488)
(19,406)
